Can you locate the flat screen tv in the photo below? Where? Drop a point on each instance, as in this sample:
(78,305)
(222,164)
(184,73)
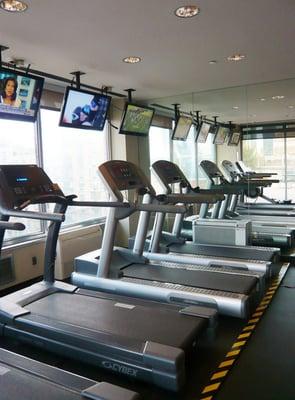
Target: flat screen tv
(203,132)
(20,95)
(221,135)
(136,120)
(84,110)
(182,128)
(234,138)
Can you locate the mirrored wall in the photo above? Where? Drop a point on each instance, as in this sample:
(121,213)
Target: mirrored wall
(261,115)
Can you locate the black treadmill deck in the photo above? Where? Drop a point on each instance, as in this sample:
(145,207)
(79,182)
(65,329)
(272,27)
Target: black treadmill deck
(201,279)
(111,318)
(26,379)
(223,251)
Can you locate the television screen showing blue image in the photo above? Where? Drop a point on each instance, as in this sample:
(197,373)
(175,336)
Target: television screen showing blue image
(20,95)
(84,110)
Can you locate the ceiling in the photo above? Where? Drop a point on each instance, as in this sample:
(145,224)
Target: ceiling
(95,35)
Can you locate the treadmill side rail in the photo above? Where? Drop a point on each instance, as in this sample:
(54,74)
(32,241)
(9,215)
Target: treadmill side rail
(152,362)
(9,311)
(38,291)
(35,378)
(107,391)
(232,304)
(210,314)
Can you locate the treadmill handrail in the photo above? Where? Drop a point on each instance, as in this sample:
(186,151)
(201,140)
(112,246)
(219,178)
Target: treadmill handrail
(110,204)
(165,208)
(32,214)
(132,206)
(14,226)
(198,198)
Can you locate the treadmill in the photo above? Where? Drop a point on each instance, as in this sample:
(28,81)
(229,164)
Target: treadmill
(241,166)
(130,337)
(133,274)
(270,204)
(237,257)
(26,379)
(264,232)
(280,217)
(190,258)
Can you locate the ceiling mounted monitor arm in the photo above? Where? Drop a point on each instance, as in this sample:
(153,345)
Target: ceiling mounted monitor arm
(196,118)
(28,69)
(176,111)
(2,48)
(215,119)
(129,94)
(77,76)
(230,126)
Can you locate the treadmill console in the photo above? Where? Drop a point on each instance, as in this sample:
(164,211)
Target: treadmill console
(22,183)
(123,175)
(169,173)
(230,168)
(211,169)
(242,167)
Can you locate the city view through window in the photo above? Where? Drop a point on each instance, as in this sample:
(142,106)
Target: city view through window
(269,155)
(70,158)
(18,146)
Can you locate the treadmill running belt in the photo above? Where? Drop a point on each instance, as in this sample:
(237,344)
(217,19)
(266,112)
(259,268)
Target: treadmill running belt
(220,251)
(200,279)
(22,386)
(117,318)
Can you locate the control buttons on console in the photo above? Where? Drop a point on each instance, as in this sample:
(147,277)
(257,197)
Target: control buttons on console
(18,190)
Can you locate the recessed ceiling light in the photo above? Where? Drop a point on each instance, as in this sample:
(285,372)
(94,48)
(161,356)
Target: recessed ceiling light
(236,57)
(278,97)
(236,108)
(290,107)
(262,99)
(132,59)
(13,5)
(213,62)
(187,11)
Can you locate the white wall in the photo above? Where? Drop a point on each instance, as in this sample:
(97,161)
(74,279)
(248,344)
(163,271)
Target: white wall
(22,260)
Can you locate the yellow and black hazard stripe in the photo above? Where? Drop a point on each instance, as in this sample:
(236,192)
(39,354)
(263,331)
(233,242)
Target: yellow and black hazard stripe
(223,369)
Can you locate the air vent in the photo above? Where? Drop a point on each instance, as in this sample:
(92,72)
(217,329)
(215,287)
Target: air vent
(7,274)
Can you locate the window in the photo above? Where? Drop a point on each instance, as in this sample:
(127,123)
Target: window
(258,154)
(18,146)
(184,155)
(71,158)
(159,145)
(187,154)
(290,168)
(205,151)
